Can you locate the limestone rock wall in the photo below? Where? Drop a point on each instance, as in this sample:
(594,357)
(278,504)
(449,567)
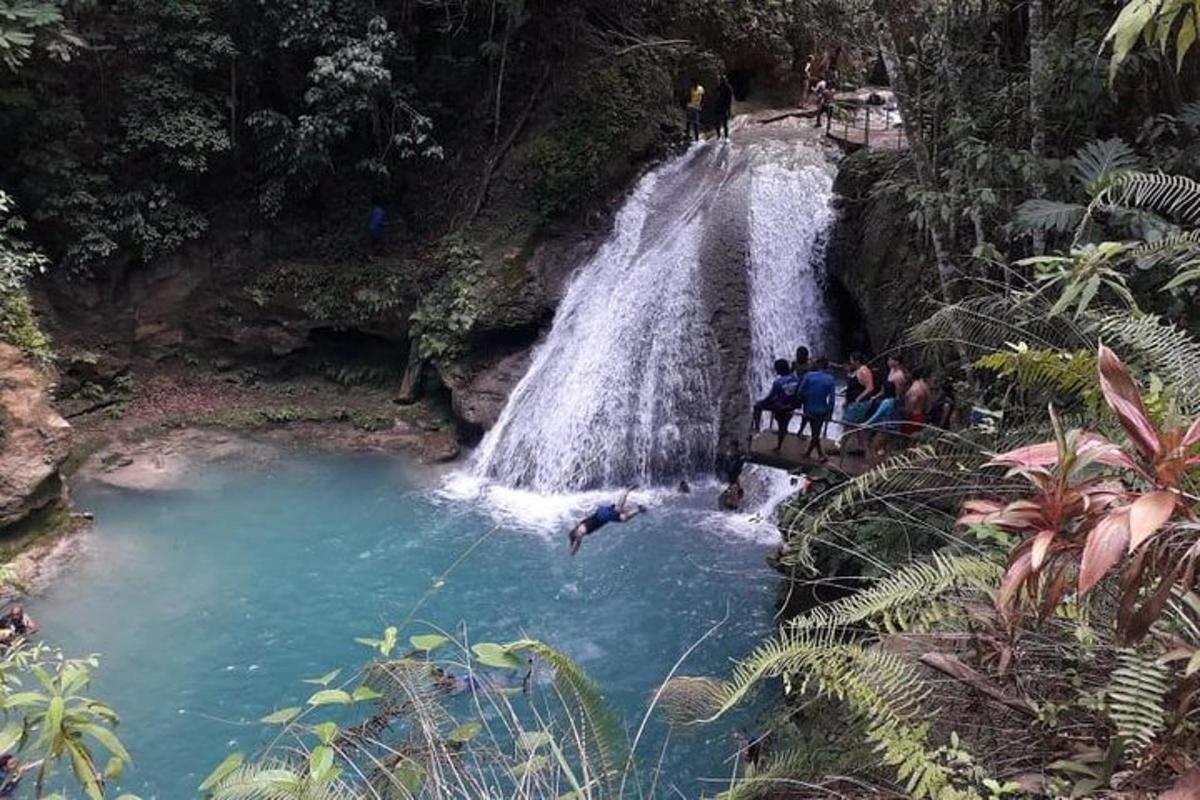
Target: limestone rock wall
(34,439)
(875,253)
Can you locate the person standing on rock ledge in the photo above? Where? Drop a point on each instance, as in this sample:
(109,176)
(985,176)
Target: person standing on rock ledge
(694,104)
(724,107)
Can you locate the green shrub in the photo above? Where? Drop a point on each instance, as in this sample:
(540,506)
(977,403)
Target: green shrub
(19,328)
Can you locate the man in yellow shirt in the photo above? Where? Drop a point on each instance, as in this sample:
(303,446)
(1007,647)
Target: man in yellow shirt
(695,103)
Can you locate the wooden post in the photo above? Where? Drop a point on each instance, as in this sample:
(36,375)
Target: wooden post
(867,129)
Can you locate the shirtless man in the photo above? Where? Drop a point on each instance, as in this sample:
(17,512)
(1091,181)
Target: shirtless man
(917,401)
(601,517)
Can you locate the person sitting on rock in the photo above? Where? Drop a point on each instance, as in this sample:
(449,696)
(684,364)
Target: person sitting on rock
(781,401)
(603,515)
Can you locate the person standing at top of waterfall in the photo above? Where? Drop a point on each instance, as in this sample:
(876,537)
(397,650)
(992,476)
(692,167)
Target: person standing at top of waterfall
(824,98)
(782,401)
(695,103)
(376,223)
(724,106)
(616,512)
(807,84)
(816,404)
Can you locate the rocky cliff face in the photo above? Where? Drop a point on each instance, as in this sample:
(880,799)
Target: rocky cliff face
(34,439)
(875,254)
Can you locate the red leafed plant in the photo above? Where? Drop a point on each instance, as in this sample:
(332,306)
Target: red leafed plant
(1096,504)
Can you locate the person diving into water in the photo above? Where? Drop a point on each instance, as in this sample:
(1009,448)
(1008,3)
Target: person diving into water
(601,517)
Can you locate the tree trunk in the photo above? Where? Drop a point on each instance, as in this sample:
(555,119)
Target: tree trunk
(916,140)
(1039,86)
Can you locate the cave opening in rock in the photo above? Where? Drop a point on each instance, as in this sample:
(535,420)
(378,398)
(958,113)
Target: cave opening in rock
(353,357)
(741,80)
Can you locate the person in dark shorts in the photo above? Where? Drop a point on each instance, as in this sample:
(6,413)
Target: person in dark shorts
(724,106)
(695,103)
(618,512)
(816,405)
(782,401)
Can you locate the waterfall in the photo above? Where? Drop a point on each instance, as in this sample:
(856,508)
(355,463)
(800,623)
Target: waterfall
(712,269)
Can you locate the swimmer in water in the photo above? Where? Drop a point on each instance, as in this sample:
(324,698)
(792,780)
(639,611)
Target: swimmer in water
(601,517)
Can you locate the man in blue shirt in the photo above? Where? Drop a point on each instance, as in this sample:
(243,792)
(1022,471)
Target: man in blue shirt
(816,405)
(781,401)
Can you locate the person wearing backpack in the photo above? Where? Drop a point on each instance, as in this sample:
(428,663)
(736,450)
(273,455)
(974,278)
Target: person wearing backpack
(782,401)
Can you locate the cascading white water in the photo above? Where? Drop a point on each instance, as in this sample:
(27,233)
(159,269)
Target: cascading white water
(790,213)
(628,385)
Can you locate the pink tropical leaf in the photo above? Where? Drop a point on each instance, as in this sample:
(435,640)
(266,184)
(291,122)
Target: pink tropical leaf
(1019,570)
(1123,397)
(1041,545)
(1192,437)
(1148,514)
(1106,545)
(1034,455)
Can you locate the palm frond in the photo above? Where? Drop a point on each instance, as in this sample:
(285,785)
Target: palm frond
(1175,247)
(1099,162)
(1038,213)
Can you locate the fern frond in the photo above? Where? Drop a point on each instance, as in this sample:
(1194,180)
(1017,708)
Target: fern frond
(882,689)
(1063,373)
(911,599)
(1174,247)
(990,323)
(926,473)
(602,732)
(1190,114)
(278,780)
(1135,698)
(1159,347)
(1175,196)
(763,781)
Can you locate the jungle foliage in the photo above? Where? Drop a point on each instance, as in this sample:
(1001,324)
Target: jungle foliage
(1020,605)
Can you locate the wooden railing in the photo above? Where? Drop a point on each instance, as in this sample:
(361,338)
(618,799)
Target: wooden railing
(853,132)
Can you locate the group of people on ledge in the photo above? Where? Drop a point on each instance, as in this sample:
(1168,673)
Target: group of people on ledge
(882,410)
(722,107)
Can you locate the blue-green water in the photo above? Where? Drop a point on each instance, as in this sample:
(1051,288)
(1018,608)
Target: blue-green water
(209,606)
